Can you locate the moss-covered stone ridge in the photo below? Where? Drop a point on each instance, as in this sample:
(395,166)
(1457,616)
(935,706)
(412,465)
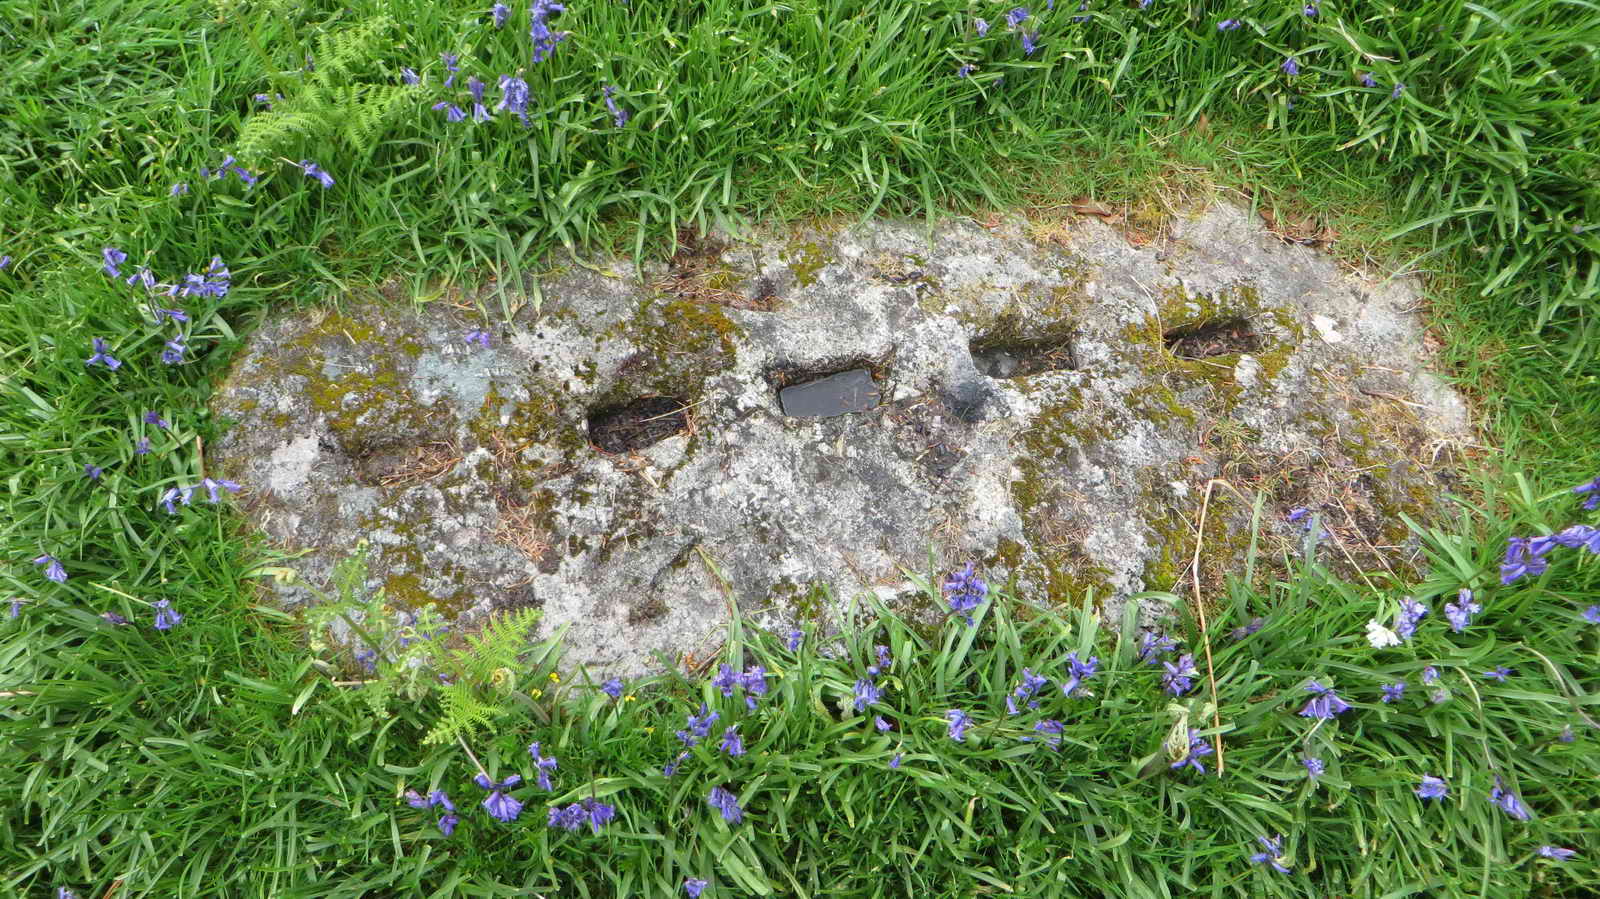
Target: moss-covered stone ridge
(1053,401)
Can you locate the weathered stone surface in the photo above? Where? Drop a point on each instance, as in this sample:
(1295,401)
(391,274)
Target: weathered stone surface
(1115,381)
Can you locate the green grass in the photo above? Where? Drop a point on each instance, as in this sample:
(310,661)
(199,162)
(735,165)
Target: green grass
(194,762)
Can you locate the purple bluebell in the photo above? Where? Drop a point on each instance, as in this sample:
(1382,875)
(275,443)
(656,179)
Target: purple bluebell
(612,688)
(212,485)
(1029,688)
(142,275)
(514,96)
(92,471)
(1405,620)
(793,642)
(409,76)
(866,693)
(1179,675)
(1248,628)
(598,813)
(5,261)
(1592,614)
(1325,704)
(966,591)
(1052,731)
(1523,557)
(699,727)
(619,116)
(1575,537)
(1430,675)
(416,800)
(480,113)
(52,568)
(1398,90)
(959,722)
(177,315)
(1508,801)
(1153,645)
(450,66)
(1567,736)
(173,353)
(672,767)
(544,765)
(693,887)
(1198,748)
(14,609)
(1082,6)
(448,822)
(1274,854)
(313,170)
(1228,25)
(1017,16)
(178,189)
(1145,4)
(500,12)
(1438,696)
(165,616)
(1078,672)
(754,681)
(1499,674)
(726,680)
(368,658)
(1432,787)
(882,662)
(1393,692)
(882,725)
(174,495)
(1311,11)
(452,112)
(1461,611)
(568,819)
(114,619)
(215,281)
(1289,66)
(731,743)
(479,337)
(102,355)
(113,258)
(64,893)
(1030,42)
(895,762)
(1314,767)
(726,803)
(981,26)
(544,40)
(1556,852)
(1368,81)
(142,448)
(965,70)
(262,100)
(499,804)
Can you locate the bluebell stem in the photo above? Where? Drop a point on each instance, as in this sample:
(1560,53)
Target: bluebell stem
(102,355)
(514,96)
(313,170)
(1556,852)
(619,116)
(726,803)
(1325,704)
(543,764)
(165,617)
(1179,675)
(499,804)
(1393,692)
(1274,854)
(1432,787)
(959,722)
(1198,747)
(52,568)
(500,12)
(693,888)
(612,688)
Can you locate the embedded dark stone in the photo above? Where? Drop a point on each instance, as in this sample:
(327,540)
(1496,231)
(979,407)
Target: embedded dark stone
(847,391)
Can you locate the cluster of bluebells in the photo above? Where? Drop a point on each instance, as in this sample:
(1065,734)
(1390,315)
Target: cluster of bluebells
(544,40)
(1153,645)
(1324,703)
(965,591)
(753,682)
(1526,555)
(499,803)
(590,811)
(1178,677)
(176,495)
(1405,621)
(436,799)
(1198,748)
(1078,672)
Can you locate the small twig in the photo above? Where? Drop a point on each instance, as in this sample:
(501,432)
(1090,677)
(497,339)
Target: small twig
(200,455)
(354,683)
(468,749)
(1205,631)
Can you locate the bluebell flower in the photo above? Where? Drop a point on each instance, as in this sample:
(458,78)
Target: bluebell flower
(699,727)
(1289,66)
(416,800)
(1393,692)
(1311,10)
(895,762)
(102,355)
(1052,731)
(965,70)
(693,888)
(1325,704)
(1405,620)
(1078,672)
(175,494)
(215,281)
(499,804)
(1017,16)
(612,688)
(1198,748)
(452,112)
(1575,537)
(1153,645)
(726,680)
(1314,767)
(544,765)
(1556,852)
(1030,42)
(1430,675)
(568,819)
(1461,611)
(1029,688)
(1368,81)
(178,189)
(448,822)
(1508,801)
(598,813)
(151,417)
(1567,736)
(480,113)
(959,722)
(1432,787)
(731,744)
(981,26)
(882,662)
(1592,614)
(52,568)
(966,590)
(500,12)
(1082,6)
(211,485)
(173,353)
(111,618)
(1523,557)
(143,447)
(92,471)
(1398,90)
(165,616)
(1500,674)
(14,609)
(450,66)
(409,76)
(1248,628)
(1179,675)
(113,258)
(619,116)
(368,657)
(1274,854)
(754,681)
(672,767)
(479,337)
(5,261)
(866,693)
(726,803)
(312,170)
(514,96)
(142,275)
(882,725)
(1228,25)
(544,40)
(177,315)
(64,893)
(793,642)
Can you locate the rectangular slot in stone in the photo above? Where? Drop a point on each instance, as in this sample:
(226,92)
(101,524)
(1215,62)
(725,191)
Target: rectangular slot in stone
(836,394)
(1022,358)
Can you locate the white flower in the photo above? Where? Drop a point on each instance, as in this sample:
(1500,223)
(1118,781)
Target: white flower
(1380,636)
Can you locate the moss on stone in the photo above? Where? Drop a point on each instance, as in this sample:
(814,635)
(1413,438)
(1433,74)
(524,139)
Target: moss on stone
(805,259)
